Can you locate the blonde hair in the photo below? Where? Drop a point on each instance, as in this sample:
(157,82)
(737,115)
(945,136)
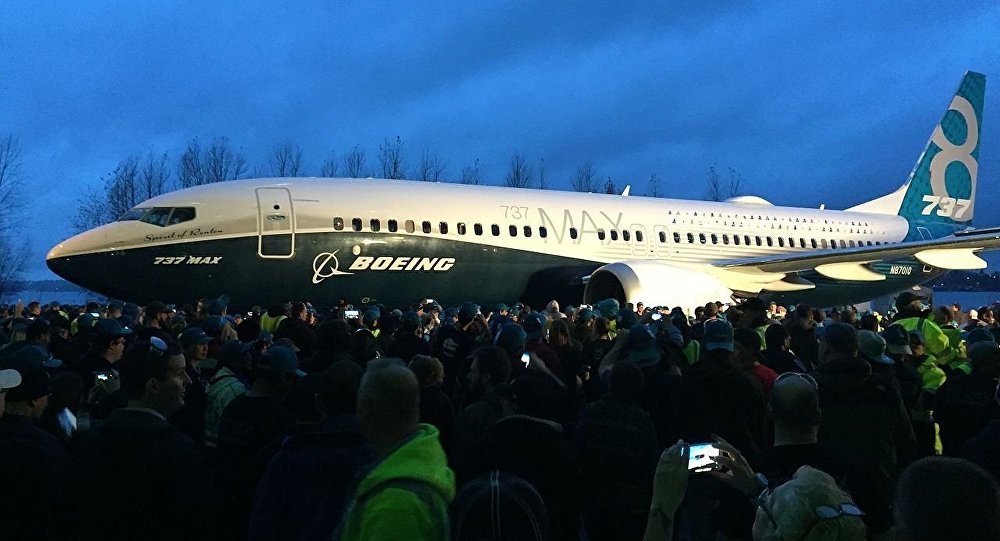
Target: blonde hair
(793,508)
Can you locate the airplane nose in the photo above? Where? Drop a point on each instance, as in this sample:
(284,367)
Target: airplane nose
(60,257)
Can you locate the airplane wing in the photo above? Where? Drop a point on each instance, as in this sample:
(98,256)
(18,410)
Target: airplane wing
(953,252)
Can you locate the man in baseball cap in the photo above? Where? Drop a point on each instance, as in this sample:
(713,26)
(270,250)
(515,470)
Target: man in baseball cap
(9,378)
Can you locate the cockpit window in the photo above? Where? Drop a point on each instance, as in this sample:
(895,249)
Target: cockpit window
(181,214)
(133,214)
(164,216)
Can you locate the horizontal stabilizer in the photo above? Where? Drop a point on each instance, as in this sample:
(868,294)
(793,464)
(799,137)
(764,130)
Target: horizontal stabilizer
(951,259)
(858,271)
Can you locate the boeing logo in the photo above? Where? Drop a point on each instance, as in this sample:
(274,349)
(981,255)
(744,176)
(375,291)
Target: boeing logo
(323,268)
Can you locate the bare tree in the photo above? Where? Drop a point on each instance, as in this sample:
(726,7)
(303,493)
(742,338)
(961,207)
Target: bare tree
(715,190)
(286,160)
(190,171)
(390,156)
(13,254)
(13,262)
(330,167)
(609,187)
(154,176)
(654,185)
(735,183)
(431,167)
(519,174)
(355,162)
(541,174)
(222,163)
(472,174)
(585,179)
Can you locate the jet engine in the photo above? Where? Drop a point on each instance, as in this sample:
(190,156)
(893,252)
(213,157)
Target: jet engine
(655,284)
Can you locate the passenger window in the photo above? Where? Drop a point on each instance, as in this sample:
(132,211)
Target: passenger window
(851,243)
(614,234)
(625,235)
(715,238)
(736,240)
(338,224)
(443,227)
(812,242)
(513,230)
(770,241)
(393,226)
(542,231)
(157,216)
(410,228)
(802,243)
(426,227)
(725,239)
(677,237)
(182,214)
(356,224)
(478,228)
(825,245)
(375,225)
(572,233)
(638,236)
(701,238)
(781,242)
(495,229)
(759,242)
(600,234)
(663,237)
(690,238)
(746,240)
(527,231)
(461,228)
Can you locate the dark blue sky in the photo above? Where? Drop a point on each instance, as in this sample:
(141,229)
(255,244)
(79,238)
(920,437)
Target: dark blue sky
(810,104)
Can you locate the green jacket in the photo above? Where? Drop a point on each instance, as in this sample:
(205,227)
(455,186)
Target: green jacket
(406,495)
(936,343)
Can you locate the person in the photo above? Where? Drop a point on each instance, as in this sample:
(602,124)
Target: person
(947,498)
(135,469)
(617,449)
(406,494)
(225,386)
(454,342)
(333,343)
(803,339)
(912,316)
(107,345)
(306,485)
(966,404)
(863,417)
(409,340)
(748,357)
(499,505)
(190,419)
(435,406)
(156,321)
(298,330)
(810,507)
(716,397)
(250,433)
(489,371)
(777,354)
(9,378)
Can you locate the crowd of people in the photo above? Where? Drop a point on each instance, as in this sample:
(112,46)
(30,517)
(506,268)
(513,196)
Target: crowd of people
(597,422)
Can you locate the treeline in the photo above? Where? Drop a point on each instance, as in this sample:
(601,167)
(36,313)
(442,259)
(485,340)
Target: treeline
(138,177)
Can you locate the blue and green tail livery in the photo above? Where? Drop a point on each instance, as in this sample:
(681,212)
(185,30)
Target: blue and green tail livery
(940,195)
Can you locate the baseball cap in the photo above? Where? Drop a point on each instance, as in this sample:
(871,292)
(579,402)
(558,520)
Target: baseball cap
(841,337)
(216,306)
(534,323)
(795,399)
(35,383)
(110,327)
(9,378)
(233,350)
(872,347)
(718,335)
(907,297)
(280,359)
(194,336)
(640,346)
(467,311)
(288,343)
(897,340)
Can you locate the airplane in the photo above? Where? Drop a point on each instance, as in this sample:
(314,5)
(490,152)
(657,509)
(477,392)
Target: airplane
(271,240)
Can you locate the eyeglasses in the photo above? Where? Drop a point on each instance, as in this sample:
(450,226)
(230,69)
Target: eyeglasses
(807,377)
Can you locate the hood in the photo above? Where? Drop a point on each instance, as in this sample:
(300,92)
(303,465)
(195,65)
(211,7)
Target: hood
(421,458)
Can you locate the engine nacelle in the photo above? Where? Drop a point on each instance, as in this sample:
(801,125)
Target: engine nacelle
(655,284)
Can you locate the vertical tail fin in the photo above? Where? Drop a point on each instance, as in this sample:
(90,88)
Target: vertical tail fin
(939,196)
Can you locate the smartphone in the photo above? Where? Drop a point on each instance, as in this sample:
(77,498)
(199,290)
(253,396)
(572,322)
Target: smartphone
(102,376)
(656,316)
(701,455)
(525,359)
(351,314)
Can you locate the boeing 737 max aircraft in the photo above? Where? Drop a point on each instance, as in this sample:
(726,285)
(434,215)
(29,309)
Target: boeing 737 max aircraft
(266,241)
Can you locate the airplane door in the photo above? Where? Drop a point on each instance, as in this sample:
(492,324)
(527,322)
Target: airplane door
(640,243)
(275,223)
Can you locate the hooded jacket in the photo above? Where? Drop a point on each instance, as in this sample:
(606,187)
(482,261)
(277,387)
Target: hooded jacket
(405,495)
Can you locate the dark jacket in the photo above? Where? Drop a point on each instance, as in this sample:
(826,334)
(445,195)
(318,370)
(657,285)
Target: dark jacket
(436,409)
(965,405)
(299,332)
(137,477)
(804,342)
(406,345)
(33,470)
(716,397)
(306,485)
